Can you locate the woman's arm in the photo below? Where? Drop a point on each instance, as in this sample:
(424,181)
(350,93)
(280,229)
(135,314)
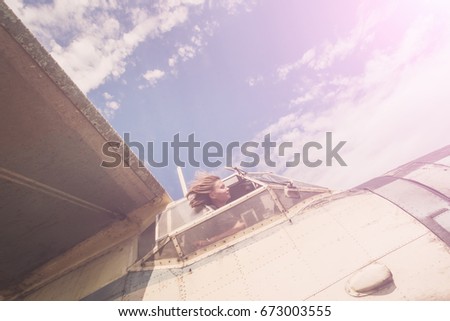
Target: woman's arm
(240,225)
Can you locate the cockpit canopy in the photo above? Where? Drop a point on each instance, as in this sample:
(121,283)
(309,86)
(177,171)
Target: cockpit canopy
(255,197)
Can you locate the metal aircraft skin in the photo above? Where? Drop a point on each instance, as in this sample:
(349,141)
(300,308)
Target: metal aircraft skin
(387,239)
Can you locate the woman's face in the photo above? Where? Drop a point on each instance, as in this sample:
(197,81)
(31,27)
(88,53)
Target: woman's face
(220,194)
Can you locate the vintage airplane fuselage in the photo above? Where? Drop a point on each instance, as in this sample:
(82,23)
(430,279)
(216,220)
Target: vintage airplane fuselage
(387,239)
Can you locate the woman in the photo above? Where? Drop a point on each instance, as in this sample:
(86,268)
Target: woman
(210,190)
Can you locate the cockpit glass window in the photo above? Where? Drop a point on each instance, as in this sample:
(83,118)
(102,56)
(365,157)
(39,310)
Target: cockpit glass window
(432,175)
(411,197)
(176,216)
(180,213)
(290,201)
(444,220)
(181,230)
(231,180)
(270,178)
(166,250)
(428,206)
(231,221)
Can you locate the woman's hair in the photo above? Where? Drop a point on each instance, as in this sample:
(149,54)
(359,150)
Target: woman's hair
(198,194)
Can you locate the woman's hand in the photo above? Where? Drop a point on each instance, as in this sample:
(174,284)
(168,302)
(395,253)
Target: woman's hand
(202,243)
(240,225)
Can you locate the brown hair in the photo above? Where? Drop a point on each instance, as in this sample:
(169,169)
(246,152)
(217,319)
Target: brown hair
(198,193)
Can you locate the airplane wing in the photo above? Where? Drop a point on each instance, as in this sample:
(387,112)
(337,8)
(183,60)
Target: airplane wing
(59,208)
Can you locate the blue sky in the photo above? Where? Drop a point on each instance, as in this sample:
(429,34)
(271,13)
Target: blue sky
(373,73)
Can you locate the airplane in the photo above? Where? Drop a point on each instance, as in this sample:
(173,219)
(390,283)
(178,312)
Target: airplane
(72,230)
(387,239)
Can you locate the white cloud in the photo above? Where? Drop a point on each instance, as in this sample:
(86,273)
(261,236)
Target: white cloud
(169,19)
(301,100)
(92,40)
(193,2)
(172,61)
(111,106)
(253,81)
(235,6)
(283,71)
(108,113)
(188,51)
(283,125)
(197,40)
(86,38)
(209,28)
(114,105)
(326,54)
(313,91)
(330,52)
(395,110)
(153,76)
(107,96)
